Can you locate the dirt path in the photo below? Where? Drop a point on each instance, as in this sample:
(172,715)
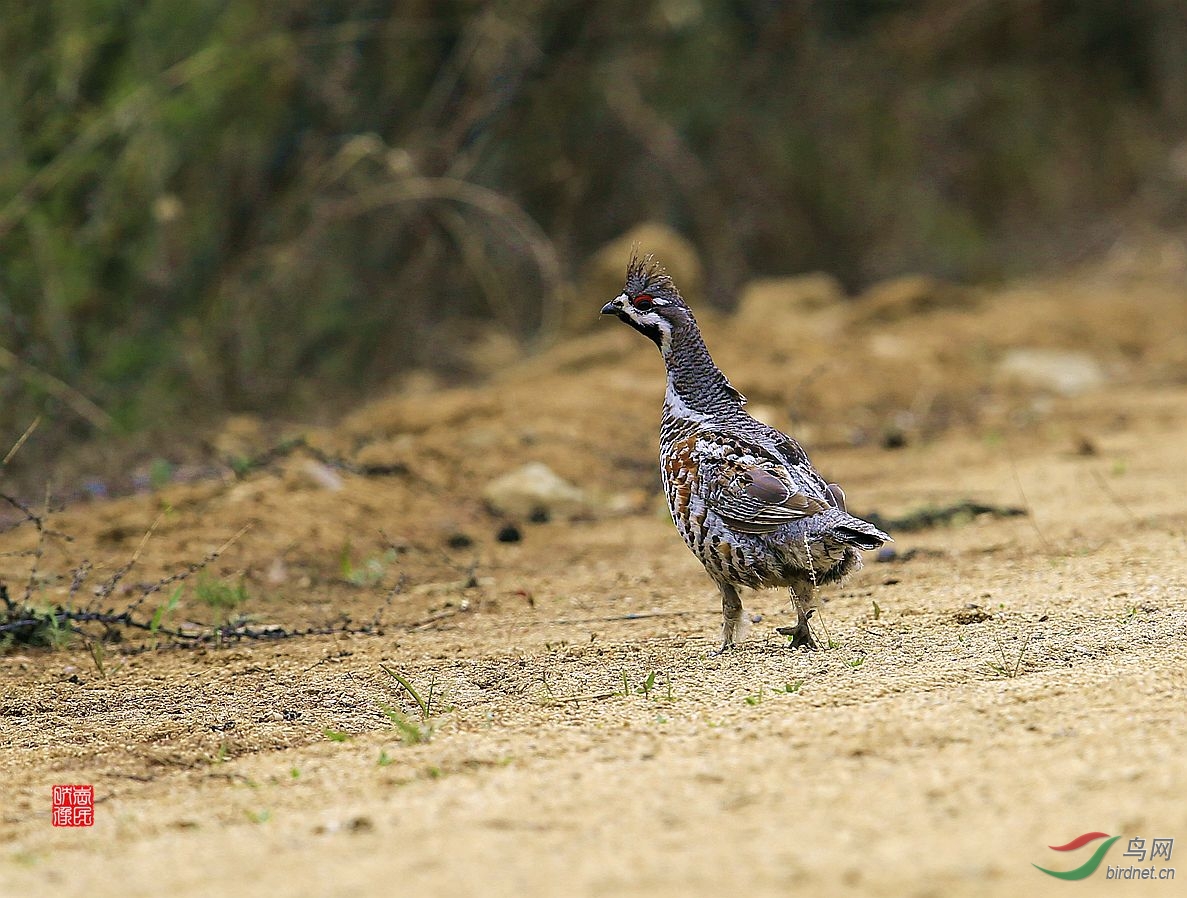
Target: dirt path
(583,740)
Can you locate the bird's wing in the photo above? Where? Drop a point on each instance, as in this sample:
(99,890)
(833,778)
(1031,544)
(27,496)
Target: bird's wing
(838,495)
(755,499)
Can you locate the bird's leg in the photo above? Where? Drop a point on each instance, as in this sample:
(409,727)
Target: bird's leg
(801,597)
(734,623)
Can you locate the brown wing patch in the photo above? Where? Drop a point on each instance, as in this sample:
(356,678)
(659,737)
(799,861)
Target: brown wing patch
(765,486)
(680,474)
(751,499)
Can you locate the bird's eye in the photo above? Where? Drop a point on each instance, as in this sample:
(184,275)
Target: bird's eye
(643,302)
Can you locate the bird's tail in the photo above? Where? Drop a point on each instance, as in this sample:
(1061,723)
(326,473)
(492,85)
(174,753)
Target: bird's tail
(858,533)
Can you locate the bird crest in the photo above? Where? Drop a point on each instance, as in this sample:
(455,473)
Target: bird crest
(645,275)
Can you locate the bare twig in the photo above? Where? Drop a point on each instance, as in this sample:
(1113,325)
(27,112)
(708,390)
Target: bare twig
(414,188)
(1116,499)
(1030,510)
(20,442)
(217,635)
(401,584)
(189,571)
(30,516)
(432,619)
(80,575)
(23,509)
(38,551)
(627,617)
(25,623)
(59,389)
(587,697)
(473,252)
(109,587)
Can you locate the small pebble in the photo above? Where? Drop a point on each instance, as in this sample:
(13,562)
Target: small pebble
(972,614)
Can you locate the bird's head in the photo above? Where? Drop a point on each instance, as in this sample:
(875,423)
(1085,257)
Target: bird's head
(650,303)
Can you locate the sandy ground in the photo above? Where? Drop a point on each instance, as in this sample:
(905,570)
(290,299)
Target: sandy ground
(1002,685)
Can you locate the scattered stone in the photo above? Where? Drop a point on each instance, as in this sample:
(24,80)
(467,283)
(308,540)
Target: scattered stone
(1061,371)
(398,545)
(459,541)
(532,490)
(277,572)
(972,614)
(359,825)
(313,473)
(509,534)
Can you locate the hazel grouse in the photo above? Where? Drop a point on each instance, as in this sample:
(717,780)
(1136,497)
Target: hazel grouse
(744,496)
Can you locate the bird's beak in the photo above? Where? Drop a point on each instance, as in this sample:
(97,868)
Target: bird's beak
(614,306)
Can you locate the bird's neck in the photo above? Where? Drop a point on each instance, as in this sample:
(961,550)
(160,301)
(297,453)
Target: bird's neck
(695,383)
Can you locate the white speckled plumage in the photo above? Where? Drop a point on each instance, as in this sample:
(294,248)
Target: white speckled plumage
(744,496)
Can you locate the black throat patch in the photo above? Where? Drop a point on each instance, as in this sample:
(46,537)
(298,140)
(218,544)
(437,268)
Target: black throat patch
(650,331)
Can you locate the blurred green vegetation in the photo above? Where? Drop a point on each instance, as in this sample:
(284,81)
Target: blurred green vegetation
(233,204)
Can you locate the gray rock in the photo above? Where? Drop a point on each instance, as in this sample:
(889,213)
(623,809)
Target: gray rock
(534,491)
(1061,371)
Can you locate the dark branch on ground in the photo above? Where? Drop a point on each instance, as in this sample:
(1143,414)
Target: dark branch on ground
(938,515)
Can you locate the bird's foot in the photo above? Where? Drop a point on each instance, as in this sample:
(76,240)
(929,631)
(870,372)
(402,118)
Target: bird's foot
(801,633)
(734,629)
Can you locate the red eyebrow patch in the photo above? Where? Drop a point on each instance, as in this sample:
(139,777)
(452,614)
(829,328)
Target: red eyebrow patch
(641,298)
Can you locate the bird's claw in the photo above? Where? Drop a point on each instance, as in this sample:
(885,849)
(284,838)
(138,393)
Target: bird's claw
(801,633)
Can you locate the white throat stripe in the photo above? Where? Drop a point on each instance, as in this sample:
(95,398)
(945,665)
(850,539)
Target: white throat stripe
(679,409)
